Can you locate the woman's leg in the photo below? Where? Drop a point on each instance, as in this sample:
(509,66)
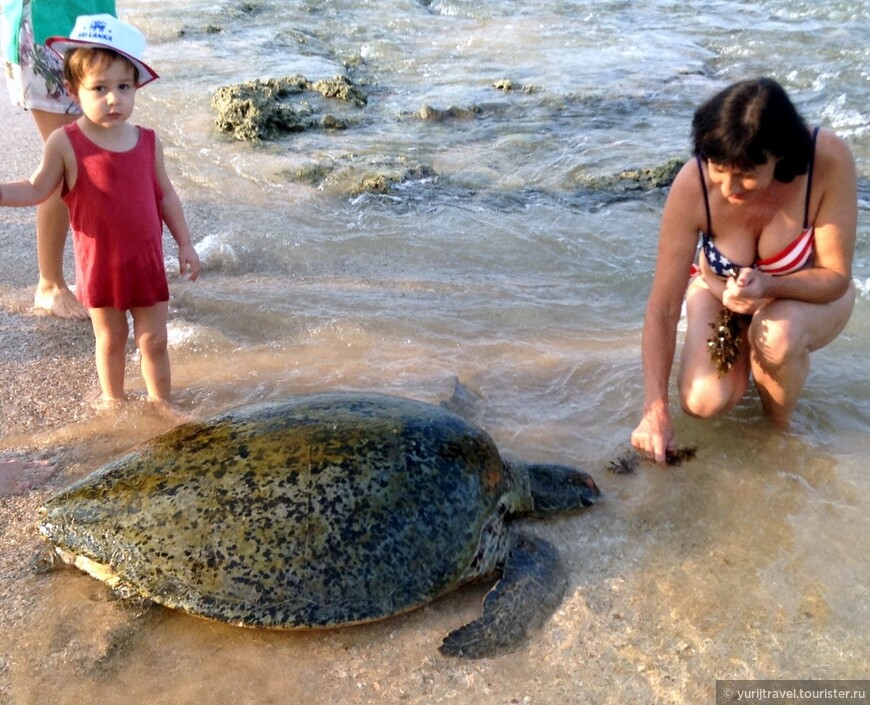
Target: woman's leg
(703,391)
(111,331)
(149,330)
(782,336)
(52,226)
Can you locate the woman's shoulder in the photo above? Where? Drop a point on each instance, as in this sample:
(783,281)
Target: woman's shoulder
(685,205)
(834,165)
(834,188)
(689,184)
(688,181)
(832,150)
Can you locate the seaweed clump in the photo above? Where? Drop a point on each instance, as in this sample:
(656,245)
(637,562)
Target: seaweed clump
(627,464)
(724,344)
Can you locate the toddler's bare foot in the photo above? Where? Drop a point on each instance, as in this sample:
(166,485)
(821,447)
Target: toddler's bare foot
(170,411)
(58,301)
(17,475)
(109,404)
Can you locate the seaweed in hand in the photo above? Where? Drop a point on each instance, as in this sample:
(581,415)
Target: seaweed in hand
(724,344)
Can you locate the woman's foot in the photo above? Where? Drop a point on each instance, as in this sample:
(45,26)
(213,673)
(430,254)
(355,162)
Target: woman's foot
(58,301)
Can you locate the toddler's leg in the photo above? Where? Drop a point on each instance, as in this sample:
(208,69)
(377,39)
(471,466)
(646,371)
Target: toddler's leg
(149,330)
(111,331)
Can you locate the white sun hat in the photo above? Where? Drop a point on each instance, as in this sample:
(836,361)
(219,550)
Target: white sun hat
(107,32)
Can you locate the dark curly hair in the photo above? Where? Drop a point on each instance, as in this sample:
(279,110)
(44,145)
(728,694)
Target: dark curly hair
(743,125)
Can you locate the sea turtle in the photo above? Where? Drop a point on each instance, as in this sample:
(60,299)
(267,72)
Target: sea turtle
(323,510)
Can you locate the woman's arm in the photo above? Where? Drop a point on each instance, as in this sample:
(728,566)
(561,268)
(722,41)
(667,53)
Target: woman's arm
(682,219)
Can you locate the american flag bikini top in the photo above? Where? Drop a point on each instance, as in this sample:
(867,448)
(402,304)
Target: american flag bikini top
(791,259)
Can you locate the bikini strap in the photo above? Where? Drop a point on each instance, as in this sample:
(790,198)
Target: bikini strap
(706,197)
(809,181)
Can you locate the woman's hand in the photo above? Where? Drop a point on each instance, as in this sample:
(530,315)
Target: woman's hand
(654,435)
(747,292)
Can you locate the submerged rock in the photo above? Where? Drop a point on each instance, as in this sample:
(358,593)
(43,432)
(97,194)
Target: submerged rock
(636,179)
(433,114)
(341,87)
(265,109)
(507,85)
(350,177)
(379,175)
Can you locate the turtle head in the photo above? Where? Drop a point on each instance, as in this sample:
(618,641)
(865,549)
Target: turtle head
(559,488)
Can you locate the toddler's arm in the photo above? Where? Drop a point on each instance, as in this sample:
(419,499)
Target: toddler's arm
(173,216)
(43,183)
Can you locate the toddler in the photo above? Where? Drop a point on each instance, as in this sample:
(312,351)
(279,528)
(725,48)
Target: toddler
(114,182)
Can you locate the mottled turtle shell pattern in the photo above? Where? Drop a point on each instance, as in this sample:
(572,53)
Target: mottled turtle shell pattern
(316,511)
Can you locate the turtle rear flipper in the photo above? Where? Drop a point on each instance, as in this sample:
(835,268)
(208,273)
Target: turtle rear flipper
(532,586)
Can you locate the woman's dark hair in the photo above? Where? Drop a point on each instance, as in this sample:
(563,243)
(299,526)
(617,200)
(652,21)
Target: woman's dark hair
(747,122)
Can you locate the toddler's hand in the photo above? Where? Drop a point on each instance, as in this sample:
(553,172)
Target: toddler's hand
(188,262)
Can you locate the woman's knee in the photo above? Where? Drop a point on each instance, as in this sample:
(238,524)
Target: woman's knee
(699,405)
(706,398)
(775,342)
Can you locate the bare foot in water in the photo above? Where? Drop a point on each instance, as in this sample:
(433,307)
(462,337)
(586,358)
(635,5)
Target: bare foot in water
(17,475)
(60,302)
(165,409)
(170,411)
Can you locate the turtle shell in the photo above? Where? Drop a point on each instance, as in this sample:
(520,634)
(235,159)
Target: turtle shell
(315,511)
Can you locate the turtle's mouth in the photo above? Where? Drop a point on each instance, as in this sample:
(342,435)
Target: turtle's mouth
(589,492)
(559,488)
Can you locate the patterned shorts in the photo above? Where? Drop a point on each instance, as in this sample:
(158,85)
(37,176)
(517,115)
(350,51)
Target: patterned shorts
(37,82)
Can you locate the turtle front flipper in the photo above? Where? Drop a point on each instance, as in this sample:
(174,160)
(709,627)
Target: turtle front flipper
(532,586)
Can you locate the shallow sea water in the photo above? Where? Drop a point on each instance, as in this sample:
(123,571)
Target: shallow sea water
(502,268)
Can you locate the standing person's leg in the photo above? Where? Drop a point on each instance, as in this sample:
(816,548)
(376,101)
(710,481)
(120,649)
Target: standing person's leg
(52,226)
(149,331)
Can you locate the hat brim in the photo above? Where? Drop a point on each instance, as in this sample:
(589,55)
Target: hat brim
(61,45)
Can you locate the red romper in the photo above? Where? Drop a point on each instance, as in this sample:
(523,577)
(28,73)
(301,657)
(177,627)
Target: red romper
(115,214)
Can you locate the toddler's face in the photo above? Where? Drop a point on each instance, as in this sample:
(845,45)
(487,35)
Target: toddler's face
(107,92)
